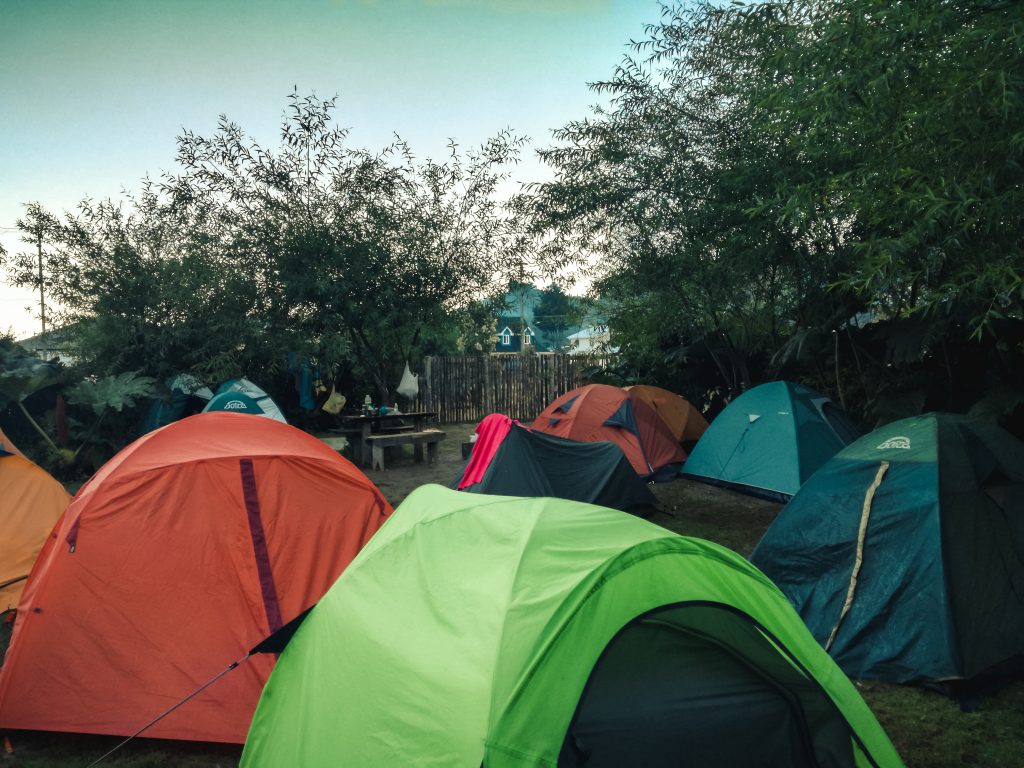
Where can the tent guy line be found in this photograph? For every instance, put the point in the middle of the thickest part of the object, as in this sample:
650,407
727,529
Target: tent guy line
168,711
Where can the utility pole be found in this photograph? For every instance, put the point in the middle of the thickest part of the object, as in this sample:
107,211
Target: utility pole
42,302
522,318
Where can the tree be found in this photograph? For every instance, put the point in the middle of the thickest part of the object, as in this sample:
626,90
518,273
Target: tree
376,246
246,253
909,114
37,226
555,310
765,173
658,191
141,289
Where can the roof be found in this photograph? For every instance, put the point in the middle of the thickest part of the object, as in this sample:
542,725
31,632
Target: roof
514,325
590,332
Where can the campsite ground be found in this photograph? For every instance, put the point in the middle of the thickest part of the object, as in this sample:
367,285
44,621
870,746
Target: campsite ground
929,730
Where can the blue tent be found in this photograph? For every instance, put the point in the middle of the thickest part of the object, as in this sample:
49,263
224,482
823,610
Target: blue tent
770,439
904,554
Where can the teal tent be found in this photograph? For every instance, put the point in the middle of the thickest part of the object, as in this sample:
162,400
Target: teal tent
770,439
499,631
234,402
264,403
904,554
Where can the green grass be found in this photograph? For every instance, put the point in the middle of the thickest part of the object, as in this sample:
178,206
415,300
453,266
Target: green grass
930,731
57,750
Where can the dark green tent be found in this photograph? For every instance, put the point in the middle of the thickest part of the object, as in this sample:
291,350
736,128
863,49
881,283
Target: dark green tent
904,554
504,632
770,439
530,463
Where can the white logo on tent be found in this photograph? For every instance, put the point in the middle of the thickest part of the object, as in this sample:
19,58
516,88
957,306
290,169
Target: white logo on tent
235,405
895,442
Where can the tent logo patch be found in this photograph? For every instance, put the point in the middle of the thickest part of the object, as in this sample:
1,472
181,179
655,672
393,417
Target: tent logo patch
234,405
895,442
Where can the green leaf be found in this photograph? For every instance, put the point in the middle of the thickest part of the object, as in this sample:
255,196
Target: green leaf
117,392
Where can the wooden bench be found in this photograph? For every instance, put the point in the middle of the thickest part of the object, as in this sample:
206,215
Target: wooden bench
429,437
396,428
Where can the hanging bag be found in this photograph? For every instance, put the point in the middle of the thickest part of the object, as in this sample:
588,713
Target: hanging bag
409,386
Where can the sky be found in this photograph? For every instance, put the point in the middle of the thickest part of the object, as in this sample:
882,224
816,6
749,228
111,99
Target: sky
94,92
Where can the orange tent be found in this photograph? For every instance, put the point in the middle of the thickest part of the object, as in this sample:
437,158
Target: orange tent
30,503
598,412
676,411
181,553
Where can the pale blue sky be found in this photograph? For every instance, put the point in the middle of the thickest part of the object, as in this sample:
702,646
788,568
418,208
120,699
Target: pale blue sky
95,91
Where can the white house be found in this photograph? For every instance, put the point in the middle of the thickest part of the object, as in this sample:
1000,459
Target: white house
589,340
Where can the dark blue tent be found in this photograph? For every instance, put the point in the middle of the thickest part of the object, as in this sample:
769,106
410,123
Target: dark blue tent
904,554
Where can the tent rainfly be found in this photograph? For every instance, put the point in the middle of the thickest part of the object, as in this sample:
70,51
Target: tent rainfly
511,460
181,553
904,554
678,413
498,631
601,413
31,501
769,440
265,404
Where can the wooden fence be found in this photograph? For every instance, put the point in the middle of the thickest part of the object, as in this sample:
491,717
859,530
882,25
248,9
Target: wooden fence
465,389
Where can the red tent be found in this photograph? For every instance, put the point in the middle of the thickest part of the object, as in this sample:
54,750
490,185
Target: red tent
599,412
180,554
685,421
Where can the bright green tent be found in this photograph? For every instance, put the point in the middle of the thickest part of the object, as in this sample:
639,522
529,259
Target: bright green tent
770,439
498,631
904,554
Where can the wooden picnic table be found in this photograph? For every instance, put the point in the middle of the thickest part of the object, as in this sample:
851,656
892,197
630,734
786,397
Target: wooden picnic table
368,424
